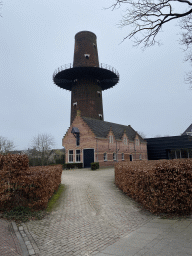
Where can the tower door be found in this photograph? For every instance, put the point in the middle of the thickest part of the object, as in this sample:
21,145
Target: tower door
88,157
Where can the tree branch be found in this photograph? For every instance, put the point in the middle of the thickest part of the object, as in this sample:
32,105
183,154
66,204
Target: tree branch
148,17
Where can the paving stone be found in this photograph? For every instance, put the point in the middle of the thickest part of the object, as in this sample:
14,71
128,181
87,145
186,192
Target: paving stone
31,252
94,218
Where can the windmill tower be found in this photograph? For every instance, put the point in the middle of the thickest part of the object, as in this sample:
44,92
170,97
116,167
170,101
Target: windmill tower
86,78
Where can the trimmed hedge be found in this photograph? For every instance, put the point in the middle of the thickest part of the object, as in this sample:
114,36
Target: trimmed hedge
21,185
163,186
94,165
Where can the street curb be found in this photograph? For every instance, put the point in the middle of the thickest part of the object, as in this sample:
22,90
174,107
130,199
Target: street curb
20,239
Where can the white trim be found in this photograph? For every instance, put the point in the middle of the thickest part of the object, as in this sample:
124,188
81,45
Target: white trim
87,56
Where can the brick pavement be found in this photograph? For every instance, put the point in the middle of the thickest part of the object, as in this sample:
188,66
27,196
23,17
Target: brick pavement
9,244
93,214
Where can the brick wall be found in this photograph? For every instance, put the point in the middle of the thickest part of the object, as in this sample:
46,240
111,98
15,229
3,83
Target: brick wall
85,43
102,145
85,97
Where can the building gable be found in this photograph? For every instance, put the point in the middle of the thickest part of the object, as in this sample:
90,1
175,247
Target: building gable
188,131
86,134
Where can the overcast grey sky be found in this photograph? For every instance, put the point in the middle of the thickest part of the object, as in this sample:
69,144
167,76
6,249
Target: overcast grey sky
38,36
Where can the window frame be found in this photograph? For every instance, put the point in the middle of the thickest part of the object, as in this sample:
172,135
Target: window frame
70,155
114,156
125,140
77,155
122,157
105,157
111,139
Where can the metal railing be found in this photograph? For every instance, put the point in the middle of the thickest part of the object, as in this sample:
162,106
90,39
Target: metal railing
70,65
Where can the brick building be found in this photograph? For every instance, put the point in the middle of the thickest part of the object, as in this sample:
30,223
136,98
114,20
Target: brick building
90,138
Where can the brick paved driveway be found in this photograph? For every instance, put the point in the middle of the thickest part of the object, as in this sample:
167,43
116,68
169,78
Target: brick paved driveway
92,215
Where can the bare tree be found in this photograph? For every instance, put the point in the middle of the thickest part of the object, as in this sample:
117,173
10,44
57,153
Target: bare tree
147,17
42,145
5,145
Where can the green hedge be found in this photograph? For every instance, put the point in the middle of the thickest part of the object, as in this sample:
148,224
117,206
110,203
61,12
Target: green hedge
94,165
73,166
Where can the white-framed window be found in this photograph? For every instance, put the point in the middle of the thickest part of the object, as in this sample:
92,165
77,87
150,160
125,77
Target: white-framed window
70,156
114,156
125,141
105,156
78,155
122,156
110,138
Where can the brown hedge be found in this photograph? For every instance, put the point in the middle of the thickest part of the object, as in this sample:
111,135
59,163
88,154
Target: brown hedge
21,185
163,186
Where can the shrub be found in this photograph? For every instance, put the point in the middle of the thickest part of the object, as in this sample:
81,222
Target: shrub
72,165
163,186
21,185
94,165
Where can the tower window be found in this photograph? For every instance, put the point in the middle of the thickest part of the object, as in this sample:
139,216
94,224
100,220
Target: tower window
87,56
100,116
99,93
94,45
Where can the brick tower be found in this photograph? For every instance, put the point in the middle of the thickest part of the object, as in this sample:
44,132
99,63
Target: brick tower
86,78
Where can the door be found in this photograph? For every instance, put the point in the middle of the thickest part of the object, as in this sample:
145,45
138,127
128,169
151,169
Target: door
88,157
